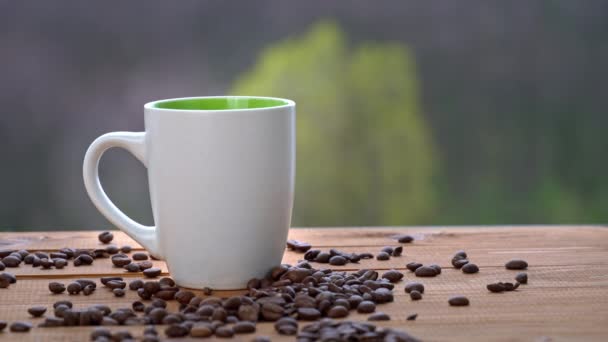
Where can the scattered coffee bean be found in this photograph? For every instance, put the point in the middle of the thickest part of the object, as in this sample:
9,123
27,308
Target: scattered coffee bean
116,284
74,288
60,263
152,272
323,257
138,306
140,256
405,238
522,278
495,287
366,255
120,260
37,311
387,249
426,271
62,302
436,267
286,326
470,268
415,295
119,292
105,237
3,325
56,287
201,330
4,282
112,249
11,261
379,316
298,246
136,284
308,314
337,260
516,264
459,263
414,286
413,266
20,327
2,266
11,277
383,256
397,251
83,259
412,317
88,290
392,275
132,267
144,265
510,286
99,332
176,330
337,311
458,301
224,331
244,327
105,280
126,249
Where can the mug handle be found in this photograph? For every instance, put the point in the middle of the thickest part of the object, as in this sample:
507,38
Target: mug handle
134,142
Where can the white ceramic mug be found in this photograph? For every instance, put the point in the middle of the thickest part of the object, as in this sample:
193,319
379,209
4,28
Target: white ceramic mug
221,177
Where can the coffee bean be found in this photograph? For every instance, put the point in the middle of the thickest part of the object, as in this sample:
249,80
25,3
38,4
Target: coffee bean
414,286
247,313
151,286
3,325
298,246
201,330
144,265
116,284
83,259
425,271
459,263
138,306
470,268
382,295
510,286
112,249
244,327
101,332
337,311
176,330
392,275
136,284
37,311
132,267
415,295
11,261
69,252
20,327
323,257
310,255
184,297
405,238
2,266
224,331
62,302
379,316
208,291
366,306
60,263
51,322
122,335
495,287
105,280
165,295
4,283
152,272
11,277
522,278
56,287
397,251
272,311
118,292
120,260
413,266
436,267
337,260
387,249
460,254
458,301
105,237
514,264
411,317
140,256
166,281
74,288
126,249
383,256
366,255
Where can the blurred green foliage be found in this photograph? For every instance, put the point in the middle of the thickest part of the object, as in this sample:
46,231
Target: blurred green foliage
365,155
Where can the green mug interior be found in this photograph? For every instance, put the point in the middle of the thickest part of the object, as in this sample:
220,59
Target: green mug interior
219,103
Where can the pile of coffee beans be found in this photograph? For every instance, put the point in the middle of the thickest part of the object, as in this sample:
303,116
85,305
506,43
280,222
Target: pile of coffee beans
335,257
330,330
298,246
87,287
460,261
388,251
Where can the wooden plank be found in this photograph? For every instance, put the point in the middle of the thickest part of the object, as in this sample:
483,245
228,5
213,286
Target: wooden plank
489,237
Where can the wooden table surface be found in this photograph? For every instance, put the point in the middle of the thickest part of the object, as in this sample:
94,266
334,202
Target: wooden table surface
566,297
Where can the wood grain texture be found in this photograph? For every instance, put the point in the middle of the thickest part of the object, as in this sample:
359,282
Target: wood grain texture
566,298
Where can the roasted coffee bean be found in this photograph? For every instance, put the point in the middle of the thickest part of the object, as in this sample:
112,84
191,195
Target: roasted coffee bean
120,260
177,330
308,314
415,295
382,295
436,267
62,302
470,268
298,246
101,332
151,286
11,277
60,309
414,286
387,249
207,291
202,329
310,255
495,287
132,267
165,295
112,249
460,254
323,257
56,287
118,292
459,263
393,276
20,326
272,311
6,252
337,260
337,311
405,238
105,280
51,322
83,259
116,284
69,252
366,255
184,297
413,266
224,331
383,256
88,290
219,314
46,264
126,249
411,317
144,265
37,311
515,264
510,286
138,306
122,335
244,327
245,313
522,278
101,253
86,282
379,316
458,301
136,284
60,263
74,288
366,306
2,266
105,237
11,261
166,281
397,251
140,256
425,271
4,283
152,272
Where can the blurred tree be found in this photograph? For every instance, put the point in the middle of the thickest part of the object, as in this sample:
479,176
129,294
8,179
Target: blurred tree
365,154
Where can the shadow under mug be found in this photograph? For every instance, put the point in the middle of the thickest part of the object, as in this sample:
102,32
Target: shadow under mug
221,179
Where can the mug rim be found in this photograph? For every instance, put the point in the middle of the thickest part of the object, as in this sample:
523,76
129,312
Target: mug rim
153,105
